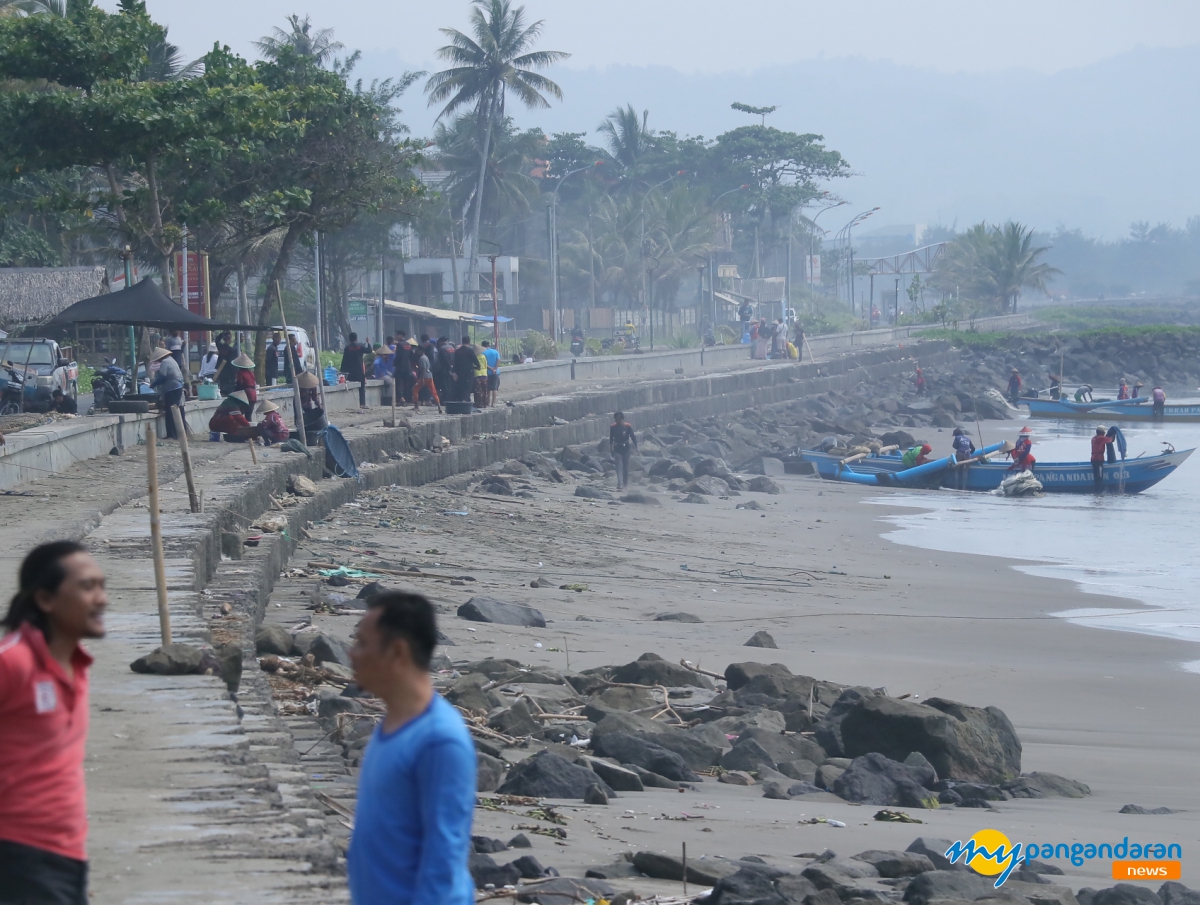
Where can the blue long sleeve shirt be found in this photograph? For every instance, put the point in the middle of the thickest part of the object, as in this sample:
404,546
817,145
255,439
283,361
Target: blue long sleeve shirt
412,825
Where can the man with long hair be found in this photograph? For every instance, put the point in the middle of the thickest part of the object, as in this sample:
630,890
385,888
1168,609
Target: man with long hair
60,601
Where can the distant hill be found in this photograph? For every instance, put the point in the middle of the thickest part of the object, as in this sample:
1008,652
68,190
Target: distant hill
1096,147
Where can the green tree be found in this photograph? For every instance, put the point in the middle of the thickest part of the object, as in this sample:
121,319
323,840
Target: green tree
485,68
317,46
628,137
991,265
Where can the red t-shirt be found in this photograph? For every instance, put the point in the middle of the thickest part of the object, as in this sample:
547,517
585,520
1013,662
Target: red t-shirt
1099,441
43,733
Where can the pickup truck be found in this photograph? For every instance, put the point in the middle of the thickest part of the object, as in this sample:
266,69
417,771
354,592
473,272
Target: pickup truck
46,366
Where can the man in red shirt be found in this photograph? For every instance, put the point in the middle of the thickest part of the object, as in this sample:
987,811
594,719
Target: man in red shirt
43,725
1099,442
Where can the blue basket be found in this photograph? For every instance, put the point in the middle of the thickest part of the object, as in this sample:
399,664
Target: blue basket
331,376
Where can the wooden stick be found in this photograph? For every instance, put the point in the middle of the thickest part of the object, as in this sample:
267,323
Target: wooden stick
253,454
685,868
156,546
181,433
287,362
704,672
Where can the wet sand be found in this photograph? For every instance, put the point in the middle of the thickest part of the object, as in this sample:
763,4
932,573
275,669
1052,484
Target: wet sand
1110,709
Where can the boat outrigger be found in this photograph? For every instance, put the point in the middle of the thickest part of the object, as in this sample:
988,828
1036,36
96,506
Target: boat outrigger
887,470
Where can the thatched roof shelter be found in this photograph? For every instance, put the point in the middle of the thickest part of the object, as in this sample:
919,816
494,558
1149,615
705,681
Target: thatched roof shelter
32,295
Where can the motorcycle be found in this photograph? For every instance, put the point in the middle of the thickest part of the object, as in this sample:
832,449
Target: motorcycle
577,345
109,385
12,394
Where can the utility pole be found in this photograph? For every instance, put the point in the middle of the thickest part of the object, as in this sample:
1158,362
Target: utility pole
320,327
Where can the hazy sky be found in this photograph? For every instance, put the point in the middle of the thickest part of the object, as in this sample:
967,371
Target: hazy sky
722,35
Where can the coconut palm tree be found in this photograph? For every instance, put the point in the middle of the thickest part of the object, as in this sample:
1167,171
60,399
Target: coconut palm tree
1016,262
627,137
485,67
318,46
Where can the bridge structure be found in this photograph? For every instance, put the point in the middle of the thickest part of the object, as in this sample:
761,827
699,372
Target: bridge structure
919,260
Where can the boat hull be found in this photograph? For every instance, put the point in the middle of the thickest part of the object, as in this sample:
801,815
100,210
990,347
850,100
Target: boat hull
1130,476
1125,410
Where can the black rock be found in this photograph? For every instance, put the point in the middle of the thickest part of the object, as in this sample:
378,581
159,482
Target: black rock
485,871
739,674
328,649
935,850
755,884
622,779
778,748
567,891
1138,809
762,639
273,639
630,749
499,612
483,845
592,493
530,867
678,617
520,841
1126,894
963,743
489,772
875,779
652,780
763,484
175,659
1045,785
651,669
923,768
828,731
1174,893
547,775
595,795
945,884
643,499
902,439
670,867
894,863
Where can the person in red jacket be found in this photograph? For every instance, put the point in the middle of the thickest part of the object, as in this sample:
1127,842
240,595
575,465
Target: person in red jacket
60,601
1022,453
1099,442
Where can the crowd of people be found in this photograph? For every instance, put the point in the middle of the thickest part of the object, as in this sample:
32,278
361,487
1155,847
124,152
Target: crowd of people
424,370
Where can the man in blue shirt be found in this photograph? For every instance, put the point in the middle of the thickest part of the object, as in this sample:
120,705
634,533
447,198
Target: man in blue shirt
416,791
493,370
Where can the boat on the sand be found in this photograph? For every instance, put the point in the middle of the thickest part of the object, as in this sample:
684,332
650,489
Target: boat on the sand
887,470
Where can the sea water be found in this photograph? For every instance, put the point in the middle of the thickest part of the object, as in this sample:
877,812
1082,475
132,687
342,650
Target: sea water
1141,546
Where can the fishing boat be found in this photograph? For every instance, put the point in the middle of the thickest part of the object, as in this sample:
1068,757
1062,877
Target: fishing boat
1112,409
1126,476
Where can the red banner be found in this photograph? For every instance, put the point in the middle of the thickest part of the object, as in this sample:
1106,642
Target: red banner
194,290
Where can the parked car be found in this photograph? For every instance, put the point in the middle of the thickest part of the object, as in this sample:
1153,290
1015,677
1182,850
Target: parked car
308,355
46,366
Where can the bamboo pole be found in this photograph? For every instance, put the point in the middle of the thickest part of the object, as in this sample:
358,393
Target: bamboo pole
181,433
288,363
156,546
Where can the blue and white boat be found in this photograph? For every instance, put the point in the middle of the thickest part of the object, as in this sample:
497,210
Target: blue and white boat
1127,476
1112,409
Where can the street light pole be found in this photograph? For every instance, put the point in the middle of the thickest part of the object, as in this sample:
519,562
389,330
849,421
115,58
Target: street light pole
712,272
850,245
554,316
812,239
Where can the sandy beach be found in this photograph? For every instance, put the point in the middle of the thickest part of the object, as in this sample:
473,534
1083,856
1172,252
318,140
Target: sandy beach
844,605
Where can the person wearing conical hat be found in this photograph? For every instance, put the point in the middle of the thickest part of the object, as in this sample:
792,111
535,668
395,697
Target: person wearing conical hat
1022,453
271,428
232,418
244,380
168,380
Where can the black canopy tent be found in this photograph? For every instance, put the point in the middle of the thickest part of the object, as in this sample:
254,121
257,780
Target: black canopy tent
141,305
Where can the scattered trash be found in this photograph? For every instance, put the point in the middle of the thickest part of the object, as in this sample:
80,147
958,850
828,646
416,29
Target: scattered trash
455,512
895,817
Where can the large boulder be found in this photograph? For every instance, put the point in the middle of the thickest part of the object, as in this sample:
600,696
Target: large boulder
708,486
739,674
273,639
328,649
486,872
567,891
935,885
176,659
499,612
935,850
828,731
762,639
1126,894
969,744
760,884
893,864
1174,893
548,775
651,669
620,778
630,749
875,779
778,749
489,772
670,867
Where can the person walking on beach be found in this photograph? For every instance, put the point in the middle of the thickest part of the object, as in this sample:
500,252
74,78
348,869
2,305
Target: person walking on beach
1014,387
492,360
466,361
168,380
416,791
623,442
1099,442
60,601
354,367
